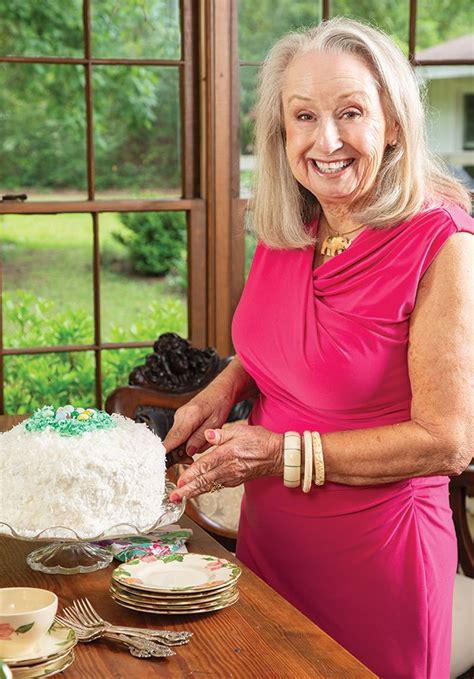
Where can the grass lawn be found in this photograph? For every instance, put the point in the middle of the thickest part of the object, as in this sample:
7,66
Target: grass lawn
48,299
51,256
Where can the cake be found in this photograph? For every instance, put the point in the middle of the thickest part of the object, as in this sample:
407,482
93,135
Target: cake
80,469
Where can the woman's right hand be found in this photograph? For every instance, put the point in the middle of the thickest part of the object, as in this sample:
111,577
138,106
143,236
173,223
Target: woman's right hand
207,410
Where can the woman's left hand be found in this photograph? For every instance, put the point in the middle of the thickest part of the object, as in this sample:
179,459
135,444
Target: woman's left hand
242,452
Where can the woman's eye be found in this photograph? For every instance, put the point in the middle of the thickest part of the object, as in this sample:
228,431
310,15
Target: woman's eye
350,115
304,116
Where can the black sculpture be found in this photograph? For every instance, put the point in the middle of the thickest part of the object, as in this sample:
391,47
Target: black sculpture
176,366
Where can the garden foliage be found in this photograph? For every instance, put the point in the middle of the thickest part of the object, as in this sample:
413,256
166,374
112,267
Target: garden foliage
32,381
154,240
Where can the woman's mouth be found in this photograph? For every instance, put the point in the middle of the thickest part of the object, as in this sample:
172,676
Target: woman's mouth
334,167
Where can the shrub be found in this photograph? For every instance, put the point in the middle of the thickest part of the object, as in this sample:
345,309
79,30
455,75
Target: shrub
32,381
155,240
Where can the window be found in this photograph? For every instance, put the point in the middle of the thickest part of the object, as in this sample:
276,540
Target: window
468,121
97,183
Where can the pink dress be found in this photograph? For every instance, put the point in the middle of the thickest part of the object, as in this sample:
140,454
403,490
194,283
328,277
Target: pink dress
373,566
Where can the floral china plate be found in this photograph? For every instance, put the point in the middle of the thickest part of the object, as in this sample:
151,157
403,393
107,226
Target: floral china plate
158,598
177,573
174,595
48,669
172,606
187,611
58,641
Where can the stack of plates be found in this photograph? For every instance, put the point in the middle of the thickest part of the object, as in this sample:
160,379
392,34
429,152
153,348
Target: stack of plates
181,583
50,655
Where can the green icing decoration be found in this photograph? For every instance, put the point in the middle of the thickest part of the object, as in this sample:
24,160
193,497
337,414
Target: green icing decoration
64,420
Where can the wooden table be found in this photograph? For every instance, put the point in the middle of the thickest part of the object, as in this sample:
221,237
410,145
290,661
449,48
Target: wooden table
262,635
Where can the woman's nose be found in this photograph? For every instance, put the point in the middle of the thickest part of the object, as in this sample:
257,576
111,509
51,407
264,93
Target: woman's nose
327,137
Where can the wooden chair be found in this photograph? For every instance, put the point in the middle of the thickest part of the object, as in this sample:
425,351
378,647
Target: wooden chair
170,377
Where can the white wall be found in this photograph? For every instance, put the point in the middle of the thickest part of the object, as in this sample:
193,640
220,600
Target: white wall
446,118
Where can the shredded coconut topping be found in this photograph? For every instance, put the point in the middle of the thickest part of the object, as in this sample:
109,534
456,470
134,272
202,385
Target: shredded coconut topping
88,482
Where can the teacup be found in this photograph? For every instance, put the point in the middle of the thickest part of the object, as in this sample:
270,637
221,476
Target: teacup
26,614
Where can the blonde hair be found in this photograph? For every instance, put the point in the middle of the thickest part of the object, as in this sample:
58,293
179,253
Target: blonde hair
409,178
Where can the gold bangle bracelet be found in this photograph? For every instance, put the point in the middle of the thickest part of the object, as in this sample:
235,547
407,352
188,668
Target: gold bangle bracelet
319,474
308,461
292,459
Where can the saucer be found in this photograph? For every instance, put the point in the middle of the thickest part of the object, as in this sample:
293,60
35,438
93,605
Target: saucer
186,573
46,669
58,641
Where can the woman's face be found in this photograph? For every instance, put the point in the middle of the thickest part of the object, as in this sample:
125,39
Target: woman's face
336,130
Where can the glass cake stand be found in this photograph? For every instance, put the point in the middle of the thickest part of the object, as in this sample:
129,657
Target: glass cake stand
69,553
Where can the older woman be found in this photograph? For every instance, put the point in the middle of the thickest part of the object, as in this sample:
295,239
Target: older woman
354,327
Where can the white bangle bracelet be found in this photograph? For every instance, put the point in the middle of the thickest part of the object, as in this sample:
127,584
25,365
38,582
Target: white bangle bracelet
292,459
308,461
319,473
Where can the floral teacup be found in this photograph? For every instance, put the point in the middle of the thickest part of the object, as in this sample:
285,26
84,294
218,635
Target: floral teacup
26,614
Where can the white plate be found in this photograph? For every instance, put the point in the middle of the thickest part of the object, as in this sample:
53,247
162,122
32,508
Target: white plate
178,573
163,597
173,606
194,610
44,670
55,643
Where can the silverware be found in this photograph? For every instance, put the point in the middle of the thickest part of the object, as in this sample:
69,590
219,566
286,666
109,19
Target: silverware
139,647
82,612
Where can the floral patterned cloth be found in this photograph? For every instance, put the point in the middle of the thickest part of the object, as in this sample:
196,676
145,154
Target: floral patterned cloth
169,540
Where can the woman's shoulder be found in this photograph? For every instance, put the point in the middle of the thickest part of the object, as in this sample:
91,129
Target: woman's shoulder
433,229
446,217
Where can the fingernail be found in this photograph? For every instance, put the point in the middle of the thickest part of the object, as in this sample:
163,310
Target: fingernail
211,434
192,450
181,483
174,497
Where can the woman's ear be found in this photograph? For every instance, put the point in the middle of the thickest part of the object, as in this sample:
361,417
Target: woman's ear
392,134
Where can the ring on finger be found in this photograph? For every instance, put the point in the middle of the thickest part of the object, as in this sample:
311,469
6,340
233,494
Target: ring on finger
216,487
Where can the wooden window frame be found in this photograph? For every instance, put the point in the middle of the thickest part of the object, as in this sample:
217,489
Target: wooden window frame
191,202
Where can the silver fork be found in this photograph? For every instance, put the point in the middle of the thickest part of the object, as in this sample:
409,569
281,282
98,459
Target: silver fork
85,614
139,647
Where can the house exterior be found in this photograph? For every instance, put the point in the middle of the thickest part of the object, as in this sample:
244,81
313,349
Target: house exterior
450,103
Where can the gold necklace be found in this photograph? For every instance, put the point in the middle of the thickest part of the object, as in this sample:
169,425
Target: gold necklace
336,242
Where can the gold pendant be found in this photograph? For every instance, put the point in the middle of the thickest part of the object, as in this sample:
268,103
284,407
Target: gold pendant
334,245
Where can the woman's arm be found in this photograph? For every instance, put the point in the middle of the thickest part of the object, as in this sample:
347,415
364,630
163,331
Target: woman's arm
439,437
241,385
209,408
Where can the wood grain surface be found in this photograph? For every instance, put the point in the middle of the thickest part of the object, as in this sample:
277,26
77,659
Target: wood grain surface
262,635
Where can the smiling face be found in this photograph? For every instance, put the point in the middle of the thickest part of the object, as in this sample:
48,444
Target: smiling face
336,130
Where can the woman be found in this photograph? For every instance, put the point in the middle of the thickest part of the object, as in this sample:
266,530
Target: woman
354,323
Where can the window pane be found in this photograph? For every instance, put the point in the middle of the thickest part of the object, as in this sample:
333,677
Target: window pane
392,17
248,92
42,144
437,22
148,29
468,114
43,379
137,131
47,279
117,364
144,275
262,23
47,28
448,91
